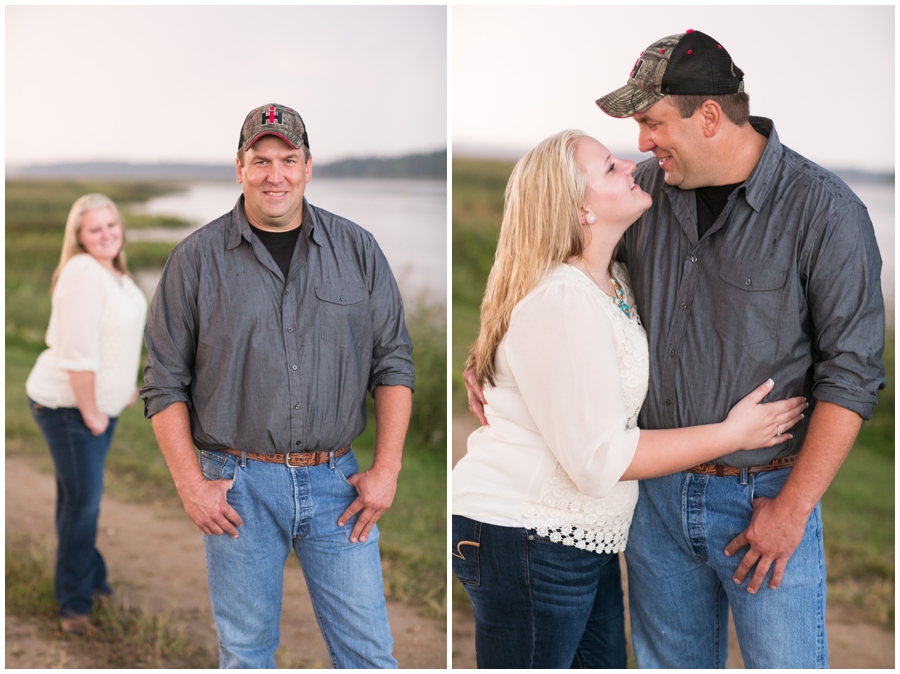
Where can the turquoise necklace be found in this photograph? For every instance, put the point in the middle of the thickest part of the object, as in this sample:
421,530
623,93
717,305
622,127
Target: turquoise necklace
619,298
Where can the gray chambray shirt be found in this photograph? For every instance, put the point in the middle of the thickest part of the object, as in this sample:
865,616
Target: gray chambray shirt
786,284
271,366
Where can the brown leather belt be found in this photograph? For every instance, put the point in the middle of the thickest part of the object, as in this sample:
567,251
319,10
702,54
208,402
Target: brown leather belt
291,459
722,471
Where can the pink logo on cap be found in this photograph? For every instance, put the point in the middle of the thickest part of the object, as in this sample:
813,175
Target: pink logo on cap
272,116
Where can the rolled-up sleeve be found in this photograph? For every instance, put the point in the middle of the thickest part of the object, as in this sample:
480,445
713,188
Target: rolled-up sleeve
843,272
392,363
562,353
171,334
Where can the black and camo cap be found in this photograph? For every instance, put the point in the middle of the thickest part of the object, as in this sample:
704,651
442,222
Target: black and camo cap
690,63
273,120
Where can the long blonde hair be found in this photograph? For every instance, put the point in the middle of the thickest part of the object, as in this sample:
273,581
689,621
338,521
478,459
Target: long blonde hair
540,229
72,246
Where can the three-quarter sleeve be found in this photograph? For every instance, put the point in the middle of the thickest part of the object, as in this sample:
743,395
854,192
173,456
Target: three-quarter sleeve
843,287
171,335
78,298
561,350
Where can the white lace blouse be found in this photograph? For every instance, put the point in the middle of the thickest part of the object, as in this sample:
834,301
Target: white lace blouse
571,376
96,325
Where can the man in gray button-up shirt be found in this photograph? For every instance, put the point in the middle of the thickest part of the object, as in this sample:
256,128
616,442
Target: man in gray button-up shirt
269,326
752,262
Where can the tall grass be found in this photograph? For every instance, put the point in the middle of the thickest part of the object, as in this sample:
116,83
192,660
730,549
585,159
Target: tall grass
478,188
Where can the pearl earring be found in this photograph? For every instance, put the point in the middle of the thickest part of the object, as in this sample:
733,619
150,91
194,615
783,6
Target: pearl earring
590,219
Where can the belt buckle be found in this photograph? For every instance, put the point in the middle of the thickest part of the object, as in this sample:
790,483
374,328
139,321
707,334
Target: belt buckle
287,461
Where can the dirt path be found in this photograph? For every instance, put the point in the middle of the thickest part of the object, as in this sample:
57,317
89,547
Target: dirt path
155,558
852,643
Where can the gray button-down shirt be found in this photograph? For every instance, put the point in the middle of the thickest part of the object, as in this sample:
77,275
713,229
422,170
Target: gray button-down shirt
785,284
271,366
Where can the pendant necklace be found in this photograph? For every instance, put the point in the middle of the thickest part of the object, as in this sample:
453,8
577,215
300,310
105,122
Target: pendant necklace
619,298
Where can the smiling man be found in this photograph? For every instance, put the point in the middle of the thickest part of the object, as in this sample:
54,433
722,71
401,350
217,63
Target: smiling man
752,262
269,326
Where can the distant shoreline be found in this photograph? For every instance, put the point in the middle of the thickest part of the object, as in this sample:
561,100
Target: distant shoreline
428,166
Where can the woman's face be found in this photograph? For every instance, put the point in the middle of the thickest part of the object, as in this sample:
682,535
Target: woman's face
101,235
611,194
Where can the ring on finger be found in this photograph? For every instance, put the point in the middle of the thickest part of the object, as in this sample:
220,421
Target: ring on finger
778,431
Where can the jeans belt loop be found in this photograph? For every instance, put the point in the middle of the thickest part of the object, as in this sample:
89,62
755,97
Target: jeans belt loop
744,476
331,460
243,458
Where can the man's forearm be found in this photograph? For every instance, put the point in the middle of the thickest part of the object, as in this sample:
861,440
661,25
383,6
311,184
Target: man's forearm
832,431
393,406
204,501
172,427
378,485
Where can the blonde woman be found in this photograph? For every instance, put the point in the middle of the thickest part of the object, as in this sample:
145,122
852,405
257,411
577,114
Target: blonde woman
543,500
80,384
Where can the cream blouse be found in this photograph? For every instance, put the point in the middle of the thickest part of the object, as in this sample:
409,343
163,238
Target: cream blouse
96,325
571,376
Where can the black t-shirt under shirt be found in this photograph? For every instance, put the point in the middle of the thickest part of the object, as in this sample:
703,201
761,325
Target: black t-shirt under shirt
280,246
710,204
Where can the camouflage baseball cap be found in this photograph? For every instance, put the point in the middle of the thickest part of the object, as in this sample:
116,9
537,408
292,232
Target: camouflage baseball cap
691,63
273,120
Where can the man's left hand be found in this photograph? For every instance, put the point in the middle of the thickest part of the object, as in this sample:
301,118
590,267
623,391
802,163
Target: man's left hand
773,534
376,494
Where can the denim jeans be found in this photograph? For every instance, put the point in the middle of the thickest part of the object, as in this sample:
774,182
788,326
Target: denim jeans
284,508
680,581
78,456
539,604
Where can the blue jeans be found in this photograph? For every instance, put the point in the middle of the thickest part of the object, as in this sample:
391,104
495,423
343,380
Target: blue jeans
78,457
680,581
539,604
284,508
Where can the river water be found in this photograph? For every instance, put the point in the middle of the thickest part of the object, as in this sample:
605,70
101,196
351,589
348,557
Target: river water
407,217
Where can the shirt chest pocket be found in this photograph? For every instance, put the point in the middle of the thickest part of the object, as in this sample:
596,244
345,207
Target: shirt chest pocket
749,302
343,313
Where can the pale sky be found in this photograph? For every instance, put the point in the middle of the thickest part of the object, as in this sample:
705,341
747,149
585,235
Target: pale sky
824,74
169,83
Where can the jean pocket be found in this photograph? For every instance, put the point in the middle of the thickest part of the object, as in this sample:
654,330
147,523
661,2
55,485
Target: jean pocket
767,484
466,547
36,408
346,466
217,466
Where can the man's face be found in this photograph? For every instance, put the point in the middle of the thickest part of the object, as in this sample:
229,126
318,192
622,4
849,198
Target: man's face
274,177
678,143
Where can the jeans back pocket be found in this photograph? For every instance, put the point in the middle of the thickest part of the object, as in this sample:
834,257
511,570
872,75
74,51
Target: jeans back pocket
466,541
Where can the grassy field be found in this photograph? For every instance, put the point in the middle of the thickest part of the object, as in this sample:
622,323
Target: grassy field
125,637
858,509
413,531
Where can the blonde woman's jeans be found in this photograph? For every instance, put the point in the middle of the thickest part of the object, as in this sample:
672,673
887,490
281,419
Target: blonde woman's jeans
78,457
